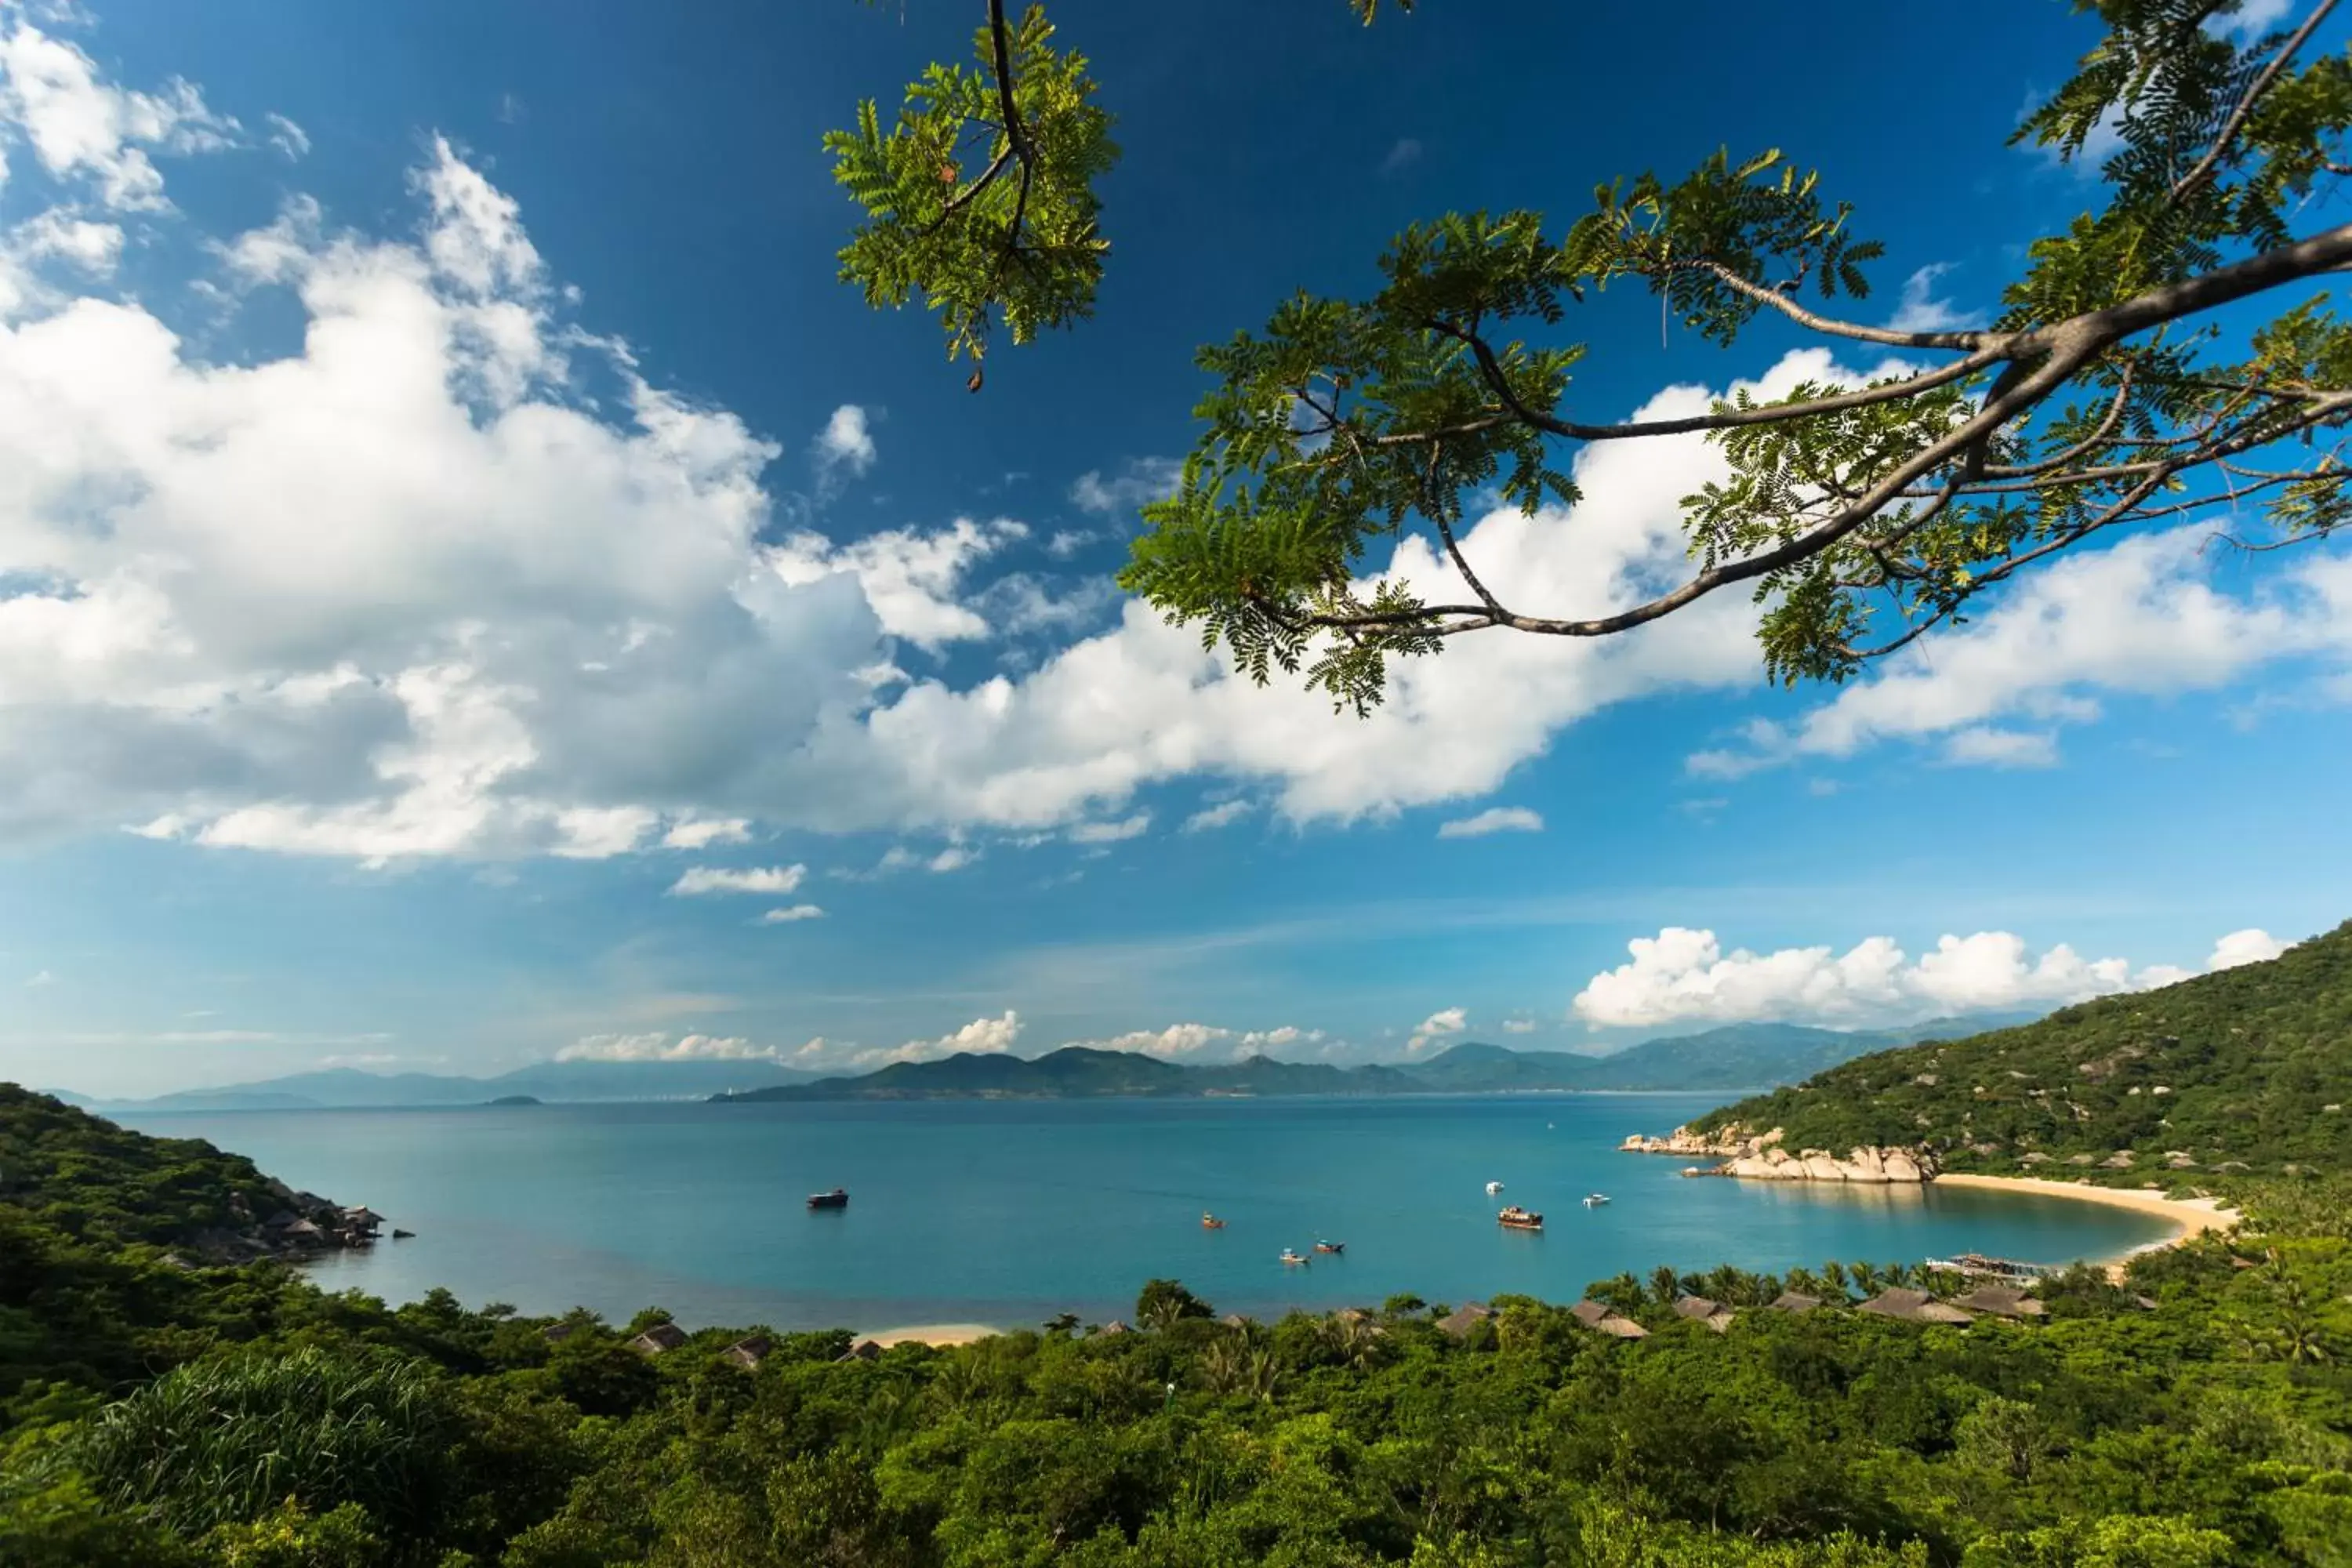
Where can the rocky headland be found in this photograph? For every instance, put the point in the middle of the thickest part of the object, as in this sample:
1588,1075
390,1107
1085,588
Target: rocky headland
1760,1157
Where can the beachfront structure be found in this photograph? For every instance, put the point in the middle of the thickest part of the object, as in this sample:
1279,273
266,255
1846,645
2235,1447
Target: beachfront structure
1699,1310
1607,1321
1912,1306
659,1338
863,1350
1113,1327
1794,1301
2002,1301
748,1354
1463,1318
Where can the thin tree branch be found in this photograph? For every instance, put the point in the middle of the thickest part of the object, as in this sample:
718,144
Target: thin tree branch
1833,327
1727,419
2090,443
2245,105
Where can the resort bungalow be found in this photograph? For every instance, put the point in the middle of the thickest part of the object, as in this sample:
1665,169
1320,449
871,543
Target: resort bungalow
1794,1301
558,1332
1607,1321
302,1233
1113,1327
1463,1318
659,1338
1235,1321
1912,1306
749,1353
2002,1301
1699,1310
363,1220
863,1350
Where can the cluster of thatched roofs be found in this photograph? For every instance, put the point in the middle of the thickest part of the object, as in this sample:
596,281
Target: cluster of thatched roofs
324,1226
1903,1305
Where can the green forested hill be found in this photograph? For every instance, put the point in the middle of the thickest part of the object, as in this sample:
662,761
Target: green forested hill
2247,1069
97,1182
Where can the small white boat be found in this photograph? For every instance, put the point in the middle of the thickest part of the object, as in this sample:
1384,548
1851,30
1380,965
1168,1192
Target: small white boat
1292,1254
1494,1187
1595,1200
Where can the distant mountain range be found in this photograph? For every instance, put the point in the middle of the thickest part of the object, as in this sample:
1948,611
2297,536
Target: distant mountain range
579,1081
1737,1057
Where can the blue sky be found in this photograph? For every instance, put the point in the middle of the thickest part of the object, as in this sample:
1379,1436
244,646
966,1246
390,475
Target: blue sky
473,586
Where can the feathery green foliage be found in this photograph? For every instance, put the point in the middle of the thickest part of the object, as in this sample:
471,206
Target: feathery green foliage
1860,514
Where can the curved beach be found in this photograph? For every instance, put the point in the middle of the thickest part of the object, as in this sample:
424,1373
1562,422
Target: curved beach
2190,1217
938,1335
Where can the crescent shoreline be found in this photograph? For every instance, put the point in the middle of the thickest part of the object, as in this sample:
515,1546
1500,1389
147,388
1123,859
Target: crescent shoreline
2187,1216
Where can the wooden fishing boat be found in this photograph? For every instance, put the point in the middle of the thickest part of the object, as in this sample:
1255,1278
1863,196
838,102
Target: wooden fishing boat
1211,1221
1334,1247
836,1199
1292,1254
1517,1218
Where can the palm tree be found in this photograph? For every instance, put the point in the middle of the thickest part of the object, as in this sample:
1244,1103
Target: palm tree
1865,1277
1805,1282
1664,1285
1897,1274
1834,1275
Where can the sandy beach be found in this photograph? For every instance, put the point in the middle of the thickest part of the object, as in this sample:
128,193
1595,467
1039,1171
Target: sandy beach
933,1334
2190,1217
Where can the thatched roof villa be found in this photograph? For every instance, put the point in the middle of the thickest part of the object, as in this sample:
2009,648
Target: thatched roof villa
1912,1306
1464,1318
2002,1301
1699,1310
1607,1321
748,1354
659,1338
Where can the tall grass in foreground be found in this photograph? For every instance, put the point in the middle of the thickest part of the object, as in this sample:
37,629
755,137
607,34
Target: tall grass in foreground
234,1438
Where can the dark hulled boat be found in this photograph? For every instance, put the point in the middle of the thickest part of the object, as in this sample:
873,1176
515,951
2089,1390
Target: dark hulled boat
836,1199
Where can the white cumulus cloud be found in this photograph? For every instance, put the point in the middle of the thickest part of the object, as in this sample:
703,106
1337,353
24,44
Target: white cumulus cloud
664,1047
1683,975
792,914
1180,1042
846,442
2251,945
1496,819
1438,1025
772,879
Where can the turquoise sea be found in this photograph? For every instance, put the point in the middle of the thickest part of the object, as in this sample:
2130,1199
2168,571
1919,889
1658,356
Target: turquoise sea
1008,1213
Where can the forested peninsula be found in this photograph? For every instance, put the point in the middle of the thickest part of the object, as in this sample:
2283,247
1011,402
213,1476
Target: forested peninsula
170,1395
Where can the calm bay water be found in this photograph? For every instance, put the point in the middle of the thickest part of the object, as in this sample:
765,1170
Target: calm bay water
1007,1212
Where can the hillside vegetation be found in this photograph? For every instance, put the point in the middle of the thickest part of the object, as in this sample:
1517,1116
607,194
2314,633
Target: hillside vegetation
157,1412
2249,1069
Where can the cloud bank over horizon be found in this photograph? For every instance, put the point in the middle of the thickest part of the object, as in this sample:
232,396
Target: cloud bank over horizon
1683,975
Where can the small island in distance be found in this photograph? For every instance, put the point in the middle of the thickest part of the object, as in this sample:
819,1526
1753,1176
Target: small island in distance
506,1099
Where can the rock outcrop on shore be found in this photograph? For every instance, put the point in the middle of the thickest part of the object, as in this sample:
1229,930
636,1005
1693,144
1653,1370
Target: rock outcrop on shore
1760,1157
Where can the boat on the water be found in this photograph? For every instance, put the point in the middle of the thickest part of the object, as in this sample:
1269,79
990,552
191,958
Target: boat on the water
836,1199
1517,1218
1292,1254
1334,1247
1494,1187
1211,1221
1595,1200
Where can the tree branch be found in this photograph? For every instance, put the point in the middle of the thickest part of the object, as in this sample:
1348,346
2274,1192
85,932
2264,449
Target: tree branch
2245,106
1833,327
